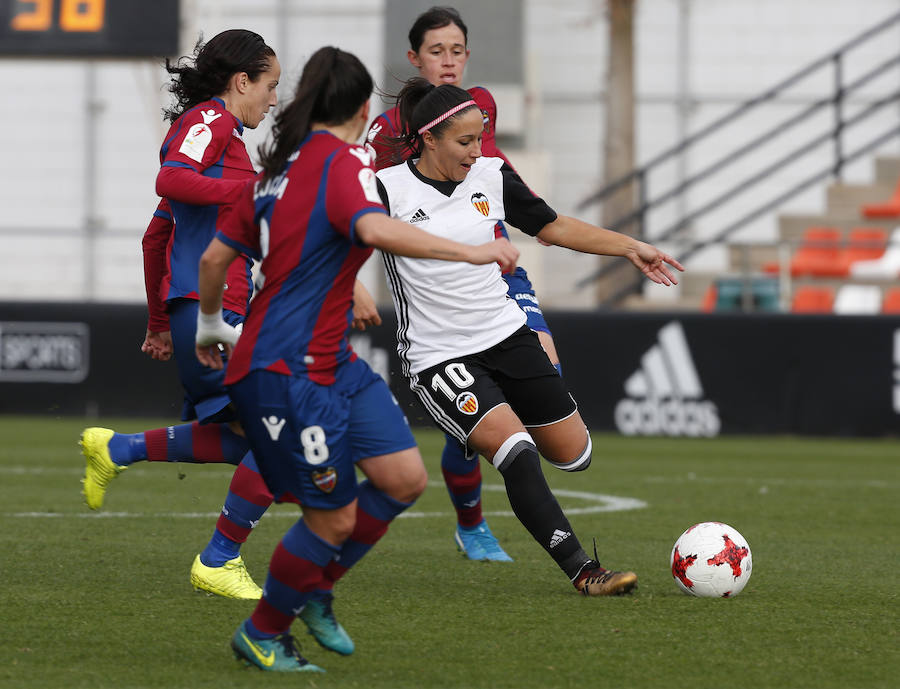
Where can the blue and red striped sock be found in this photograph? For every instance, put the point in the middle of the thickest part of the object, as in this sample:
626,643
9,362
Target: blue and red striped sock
247,500
374,513
463,479
190,442
295,571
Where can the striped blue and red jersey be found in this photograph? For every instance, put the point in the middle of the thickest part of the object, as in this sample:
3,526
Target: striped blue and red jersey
301,224
204,166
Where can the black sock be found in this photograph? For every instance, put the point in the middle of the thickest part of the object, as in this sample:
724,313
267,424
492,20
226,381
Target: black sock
538,510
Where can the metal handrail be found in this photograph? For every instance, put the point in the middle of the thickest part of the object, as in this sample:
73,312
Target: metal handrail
646,202
691,250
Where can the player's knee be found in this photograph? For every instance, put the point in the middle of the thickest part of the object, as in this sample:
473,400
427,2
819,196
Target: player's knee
513,447
578,463
408,478
343,523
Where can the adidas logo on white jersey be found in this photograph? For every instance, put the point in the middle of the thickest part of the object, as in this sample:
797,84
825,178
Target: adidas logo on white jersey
419,216
664,395
558,537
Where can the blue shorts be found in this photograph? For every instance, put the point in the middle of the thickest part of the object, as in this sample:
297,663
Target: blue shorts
307,437
205,397
521,290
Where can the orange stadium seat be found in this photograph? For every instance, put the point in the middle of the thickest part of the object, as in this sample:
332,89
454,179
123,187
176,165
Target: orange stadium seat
810,299
888,209
709,299
891,303
863,244
820,254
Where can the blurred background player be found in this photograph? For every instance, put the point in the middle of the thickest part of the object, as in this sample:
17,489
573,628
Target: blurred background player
310,407
438,48
227,85
465,348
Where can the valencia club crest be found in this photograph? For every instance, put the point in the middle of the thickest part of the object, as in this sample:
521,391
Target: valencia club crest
481,203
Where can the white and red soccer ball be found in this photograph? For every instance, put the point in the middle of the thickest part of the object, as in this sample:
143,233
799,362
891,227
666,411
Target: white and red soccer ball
711,560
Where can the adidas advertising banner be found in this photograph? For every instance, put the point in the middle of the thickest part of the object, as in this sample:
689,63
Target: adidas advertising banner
702,375
696,375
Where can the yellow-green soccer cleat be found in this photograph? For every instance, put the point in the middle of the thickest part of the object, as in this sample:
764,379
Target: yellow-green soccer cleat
100,469
231,580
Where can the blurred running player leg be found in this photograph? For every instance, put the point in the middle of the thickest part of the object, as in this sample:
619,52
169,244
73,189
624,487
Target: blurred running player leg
462,477
220,569
395,478
107,453
294,571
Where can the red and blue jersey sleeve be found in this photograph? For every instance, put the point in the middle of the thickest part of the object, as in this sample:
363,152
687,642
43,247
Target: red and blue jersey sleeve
198,138
237,227
155,245
351,191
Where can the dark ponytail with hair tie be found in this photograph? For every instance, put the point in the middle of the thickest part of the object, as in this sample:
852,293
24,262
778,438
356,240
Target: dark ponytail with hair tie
332,88
420,102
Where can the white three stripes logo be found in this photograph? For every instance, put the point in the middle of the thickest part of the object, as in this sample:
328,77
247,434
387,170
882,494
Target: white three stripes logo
665,394
667,369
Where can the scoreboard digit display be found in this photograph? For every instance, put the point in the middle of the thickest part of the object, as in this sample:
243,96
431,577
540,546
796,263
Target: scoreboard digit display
89,28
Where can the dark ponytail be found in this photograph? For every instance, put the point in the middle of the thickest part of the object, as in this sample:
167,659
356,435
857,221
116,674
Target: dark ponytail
420,102
332,88
206,74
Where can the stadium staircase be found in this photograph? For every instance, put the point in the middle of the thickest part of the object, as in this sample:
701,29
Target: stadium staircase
844,260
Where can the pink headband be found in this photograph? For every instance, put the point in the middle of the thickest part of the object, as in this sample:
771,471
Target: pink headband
452,111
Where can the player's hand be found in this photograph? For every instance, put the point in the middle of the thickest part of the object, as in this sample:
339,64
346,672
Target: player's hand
214,337
500,251
365,312
158,345
652,263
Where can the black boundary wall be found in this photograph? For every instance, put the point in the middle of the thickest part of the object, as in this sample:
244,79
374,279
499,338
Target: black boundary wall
643,374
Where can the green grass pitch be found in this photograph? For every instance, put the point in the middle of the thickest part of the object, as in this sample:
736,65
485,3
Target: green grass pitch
103,600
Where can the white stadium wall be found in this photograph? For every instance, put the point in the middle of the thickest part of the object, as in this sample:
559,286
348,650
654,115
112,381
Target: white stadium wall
81,137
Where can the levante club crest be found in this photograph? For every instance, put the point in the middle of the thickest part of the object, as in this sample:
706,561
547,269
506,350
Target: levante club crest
325,480
481,203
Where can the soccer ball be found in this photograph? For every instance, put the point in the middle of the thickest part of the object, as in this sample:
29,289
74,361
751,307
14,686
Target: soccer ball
711,560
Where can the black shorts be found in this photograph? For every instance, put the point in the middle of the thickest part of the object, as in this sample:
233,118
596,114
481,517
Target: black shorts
459,392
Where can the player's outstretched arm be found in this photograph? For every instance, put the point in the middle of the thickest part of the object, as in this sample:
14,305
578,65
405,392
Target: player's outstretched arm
578,235
397,237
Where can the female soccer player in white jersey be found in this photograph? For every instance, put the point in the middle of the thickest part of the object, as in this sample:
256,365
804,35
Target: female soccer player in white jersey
310,407
465,347
438,48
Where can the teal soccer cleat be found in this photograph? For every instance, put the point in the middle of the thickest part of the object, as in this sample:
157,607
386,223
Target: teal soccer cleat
478,543
280,654
319,617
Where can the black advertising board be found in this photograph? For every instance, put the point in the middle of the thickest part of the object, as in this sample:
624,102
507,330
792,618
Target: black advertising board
696,375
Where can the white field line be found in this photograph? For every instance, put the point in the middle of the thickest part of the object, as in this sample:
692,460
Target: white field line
597,502
147,470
